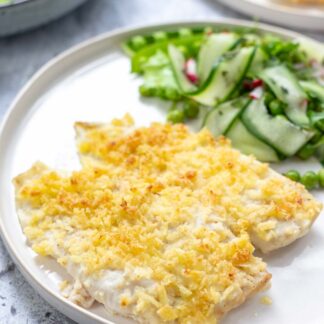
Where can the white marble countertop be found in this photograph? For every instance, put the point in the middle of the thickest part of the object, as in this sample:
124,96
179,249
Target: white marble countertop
22,55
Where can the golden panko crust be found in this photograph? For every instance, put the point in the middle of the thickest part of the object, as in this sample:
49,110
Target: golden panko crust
248,194
171,211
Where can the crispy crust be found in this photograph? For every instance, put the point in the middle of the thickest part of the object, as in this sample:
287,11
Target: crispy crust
285,231
34,172
250,284
255,284
281,238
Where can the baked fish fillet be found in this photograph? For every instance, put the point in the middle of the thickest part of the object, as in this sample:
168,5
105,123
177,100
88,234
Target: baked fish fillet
147,242
246,193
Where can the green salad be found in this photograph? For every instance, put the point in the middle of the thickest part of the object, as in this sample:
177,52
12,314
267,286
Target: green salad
263,92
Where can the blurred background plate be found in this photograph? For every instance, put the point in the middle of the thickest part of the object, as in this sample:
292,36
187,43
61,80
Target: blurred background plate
306,17
20,15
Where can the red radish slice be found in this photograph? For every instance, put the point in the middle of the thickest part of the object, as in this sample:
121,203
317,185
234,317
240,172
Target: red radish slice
299,66
304,104
250,85
256,93
257,83
190,70
314,63
319,75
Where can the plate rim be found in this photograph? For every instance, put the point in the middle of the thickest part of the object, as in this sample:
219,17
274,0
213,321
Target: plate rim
276,12
68,308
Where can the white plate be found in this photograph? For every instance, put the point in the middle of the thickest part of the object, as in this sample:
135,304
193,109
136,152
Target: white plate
92,82
281,12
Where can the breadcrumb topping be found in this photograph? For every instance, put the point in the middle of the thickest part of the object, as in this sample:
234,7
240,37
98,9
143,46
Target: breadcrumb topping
158,201
266,300
124,223
238,187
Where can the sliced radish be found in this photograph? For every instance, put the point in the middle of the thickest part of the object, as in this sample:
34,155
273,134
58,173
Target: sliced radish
256,93
190,70
257,83
314,63
250,85
299,66
319,74
304,104
318,70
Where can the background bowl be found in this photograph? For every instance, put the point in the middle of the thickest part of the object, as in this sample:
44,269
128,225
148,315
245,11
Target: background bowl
18,16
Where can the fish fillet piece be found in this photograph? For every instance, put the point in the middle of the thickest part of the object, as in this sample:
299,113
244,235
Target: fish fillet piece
247,193
150,250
